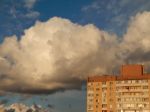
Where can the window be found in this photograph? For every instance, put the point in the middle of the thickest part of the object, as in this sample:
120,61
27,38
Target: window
104,110
103,94
104,89
118,82
144,81
103,100
130,81
90,100
145,87
127,87
119,105
140,105
111,100
97,94
111,83
110,106
89,84
97,100
96,106
119,99
104,105
97,89
133,81
90,94
137,81
97,84
103,83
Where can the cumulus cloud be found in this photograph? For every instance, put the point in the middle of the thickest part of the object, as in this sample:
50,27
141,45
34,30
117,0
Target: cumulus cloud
53,55
58,54
136,42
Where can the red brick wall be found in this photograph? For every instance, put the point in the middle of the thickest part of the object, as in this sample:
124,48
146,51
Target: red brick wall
132,70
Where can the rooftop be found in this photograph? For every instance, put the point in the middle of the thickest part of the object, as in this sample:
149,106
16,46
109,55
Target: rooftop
128,72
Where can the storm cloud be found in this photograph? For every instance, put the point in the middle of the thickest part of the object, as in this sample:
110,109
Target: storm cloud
58,55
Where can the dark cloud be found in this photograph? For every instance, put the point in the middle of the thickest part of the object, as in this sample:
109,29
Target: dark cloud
138,55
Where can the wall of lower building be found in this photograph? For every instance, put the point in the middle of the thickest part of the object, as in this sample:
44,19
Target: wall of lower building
118,96
129,92
132,95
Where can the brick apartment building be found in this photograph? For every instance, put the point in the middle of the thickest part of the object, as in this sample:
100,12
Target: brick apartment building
127,92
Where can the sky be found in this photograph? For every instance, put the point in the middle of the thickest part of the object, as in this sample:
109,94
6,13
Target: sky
49,47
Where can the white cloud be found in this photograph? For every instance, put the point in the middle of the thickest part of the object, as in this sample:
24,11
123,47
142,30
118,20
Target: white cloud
58,54
136,41
53,55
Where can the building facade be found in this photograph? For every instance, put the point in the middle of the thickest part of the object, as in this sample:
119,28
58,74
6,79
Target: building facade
127,92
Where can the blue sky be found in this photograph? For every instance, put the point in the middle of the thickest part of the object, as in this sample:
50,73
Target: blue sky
110,15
